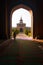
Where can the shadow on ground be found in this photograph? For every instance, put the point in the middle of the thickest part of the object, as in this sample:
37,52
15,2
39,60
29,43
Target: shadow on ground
20,52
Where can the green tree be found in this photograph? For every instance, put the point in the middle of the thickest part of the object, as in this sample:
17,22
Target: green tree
15,33
26,31
13,29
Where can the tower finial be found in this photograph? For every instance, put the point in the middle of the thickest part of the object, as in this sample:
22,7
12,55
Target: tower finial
21,21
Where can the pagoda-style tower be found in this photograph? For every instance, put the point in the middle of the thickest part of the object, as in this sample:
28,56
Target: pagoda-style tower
21,26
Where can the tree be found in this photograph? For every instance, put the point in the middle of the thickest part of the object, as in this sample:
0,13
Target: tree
15,33
26,31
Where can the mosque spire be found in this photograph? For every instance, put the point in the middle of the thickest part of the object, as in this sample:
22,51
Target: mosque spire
21,21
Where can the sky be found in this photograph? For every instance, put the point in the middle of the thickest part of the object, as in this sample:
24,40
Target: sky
17,14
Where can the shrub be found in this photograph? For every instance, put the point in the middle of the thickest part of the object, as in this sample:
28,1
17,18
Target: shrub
29,34
26,31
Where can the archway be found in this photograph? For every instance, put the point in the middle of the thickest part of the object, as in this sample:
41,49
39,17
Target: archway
21,30
27,8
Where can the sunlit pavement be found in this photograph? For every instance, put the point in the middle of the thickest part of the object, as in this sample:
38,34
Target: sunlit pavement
23,36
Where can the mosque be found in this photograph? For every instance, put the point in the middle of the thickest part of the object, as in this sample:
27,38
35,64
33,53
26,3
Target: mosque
22,26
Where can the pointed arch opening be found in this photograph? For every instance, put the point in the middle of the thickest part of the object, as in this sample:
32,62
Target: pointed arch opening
25,8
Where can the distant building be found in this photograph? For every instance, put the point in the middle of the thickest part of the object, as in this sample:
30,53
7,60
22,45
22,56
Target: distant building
21,26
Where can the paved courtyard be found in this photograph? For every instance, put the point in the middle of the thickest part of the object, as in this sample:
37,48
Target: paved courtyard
23,37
